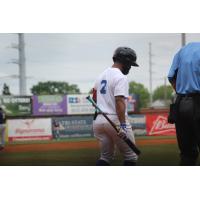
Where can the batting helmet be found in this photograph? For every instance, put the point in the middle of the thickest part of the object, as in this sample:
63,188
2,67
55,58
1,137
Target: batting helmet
126,56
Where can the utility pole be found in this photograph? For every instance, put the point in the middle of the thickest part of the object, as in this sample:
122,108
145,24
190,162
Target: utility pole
22,66
150,75
21,62
183,39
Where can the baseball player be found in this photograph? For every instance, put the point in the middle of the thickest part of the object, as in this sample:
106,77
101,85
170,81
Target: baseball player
110,93
57,127
2,129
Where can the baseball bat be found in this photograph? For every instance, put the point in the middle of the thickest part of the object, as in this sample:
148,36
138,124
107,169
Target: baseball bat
126,139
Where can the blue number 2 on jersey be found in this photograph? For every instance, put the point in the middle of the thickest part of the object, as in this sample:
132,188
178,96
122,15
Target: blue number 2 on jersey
103,86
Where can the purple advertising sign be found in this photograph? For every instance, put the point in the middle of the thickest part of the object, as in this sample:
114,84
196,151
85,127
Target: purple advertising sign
49,105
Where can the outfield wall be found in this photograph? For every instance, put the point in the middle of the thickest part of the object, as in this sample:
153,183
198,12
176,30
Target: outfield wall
34,117
51,105
74,126
80,126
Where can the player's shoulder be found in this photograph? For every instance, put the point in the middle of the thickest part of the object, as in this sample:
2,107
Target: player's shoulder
117,76
116,73
111,74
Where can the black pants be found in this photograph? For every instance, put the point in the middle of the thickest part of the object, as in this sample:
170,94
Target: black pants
188,129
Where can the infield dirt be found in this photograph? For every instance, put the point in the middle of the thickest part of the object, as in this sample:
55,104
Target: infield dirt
71,145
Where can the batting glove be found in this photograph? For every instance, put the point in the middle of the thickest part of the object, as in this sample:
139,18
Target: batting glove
123,131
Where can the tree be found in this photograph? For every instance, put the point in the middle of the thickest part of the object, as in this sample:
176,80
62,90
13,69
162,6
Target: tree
54,87
6,89
139,89
163,93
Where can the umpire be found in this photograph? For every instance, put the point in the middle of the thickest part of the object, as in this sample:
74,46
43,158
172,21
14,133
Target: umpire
184,76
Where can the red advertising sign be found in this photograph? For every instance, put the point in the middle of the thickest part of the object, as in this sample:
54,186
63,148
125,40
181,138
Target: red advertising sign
157,124
29,129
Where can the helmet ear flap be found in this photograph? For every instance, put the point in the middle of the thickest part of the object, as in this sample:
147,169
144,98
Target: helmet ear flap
114,59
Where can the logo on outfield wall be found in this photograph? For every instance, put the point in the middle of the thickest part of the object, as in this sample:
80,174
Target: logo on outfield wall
78,104
160,126
29,129
28,123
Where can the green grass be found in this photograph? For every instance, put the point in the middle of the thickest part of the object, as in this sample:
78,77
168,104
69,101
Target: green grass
50,158
152,155
159,155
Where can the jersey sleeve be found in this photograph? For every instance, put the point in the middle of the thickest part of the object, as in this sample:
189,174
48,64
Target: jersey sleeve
174,67
121,87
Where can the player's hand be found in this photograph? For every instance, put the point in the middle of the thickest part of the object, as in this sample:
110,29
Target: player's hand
123,131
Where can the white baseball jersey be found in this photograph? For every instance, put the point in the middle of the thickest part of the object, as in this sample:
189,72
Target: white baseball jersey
111,83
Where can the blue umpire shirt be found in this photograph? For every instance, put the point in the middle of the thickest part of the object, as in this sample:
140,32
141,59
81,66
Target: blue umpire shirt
186,69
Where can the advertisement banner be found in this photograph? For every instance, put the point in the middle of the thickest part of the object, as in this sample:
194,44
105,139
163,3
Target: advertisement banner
72,127
138,123
78,104
16,105
29,129
132,104
157,124
49,105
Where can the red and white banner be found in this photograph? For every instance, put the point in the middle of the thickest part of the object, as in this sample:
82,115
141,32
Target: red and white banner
157,124
29,129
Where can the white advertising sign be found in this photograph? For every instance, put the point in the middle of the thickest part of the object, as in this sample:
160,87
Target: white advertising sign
29,129
78,104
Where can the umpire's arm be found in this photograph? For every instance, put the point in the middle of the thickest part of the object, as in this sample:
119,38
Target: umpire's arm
172,75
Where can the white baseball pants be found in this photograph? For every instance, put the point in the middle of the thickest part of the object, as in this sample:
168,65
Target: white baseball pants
108,139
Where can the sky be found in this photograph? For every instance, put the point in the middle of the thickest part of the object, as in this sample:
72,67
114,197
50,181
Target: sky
78,58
